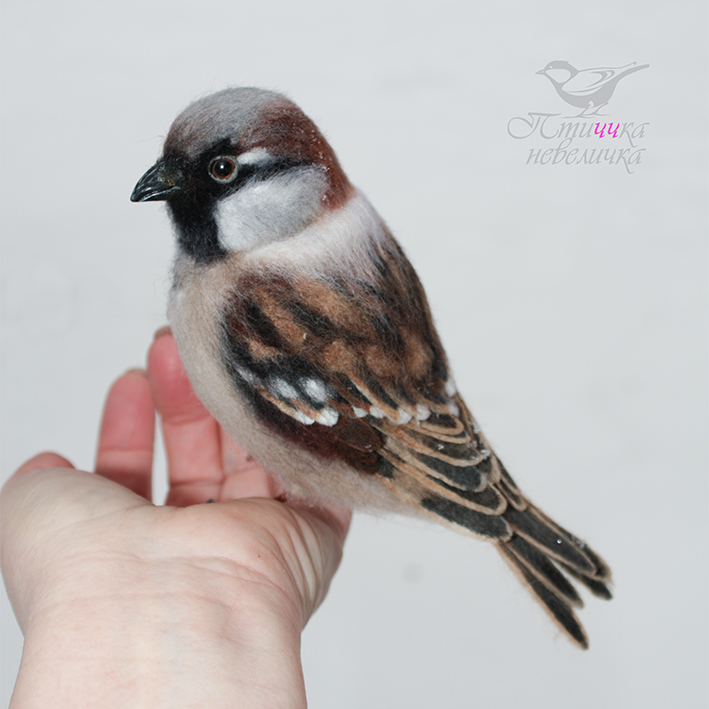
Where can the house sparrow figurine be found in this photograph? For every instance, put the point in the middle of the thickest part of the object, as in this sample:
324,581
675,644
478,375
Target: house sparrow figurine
305,331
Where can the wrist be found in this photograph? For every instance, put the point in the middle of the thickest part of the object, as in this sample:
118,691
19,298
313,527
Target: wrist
161,637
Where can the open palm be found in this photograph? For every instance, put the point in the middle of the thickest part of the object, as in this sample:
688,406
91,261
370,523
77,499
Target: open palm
76,541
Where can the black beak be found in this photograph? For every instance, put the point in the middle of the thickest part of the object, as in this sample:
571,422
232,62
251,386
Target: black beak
160,182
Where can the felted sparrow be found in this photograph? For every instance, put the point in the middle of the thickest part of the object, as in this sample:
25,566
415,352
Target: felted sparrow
306,332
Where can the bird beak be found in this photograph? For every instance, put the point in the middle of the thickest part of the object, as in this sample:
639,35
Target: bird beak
541,71
160,182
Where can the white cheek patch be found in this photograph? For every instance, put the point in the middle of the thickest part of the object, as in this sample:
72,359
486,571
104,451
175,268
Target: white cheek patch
340,239
265,211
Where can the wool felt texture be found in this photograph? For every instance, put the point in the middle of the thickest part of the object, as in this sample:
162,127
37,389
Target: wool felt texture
306,332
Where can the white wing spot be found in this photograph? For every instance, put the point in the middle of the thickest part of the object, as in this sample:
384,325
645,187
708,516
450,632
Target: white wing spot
246,375
359,413
422,412
377,413
300,416
316,390
451,389
281,388
328,416
404,417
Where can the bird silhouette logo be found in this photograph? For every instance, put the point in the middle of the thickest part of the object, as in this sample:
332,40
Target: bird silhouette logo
588,89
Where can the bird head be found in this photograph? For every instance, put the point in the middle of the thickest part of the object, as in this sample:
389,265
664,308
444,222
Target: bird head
242,168
558,72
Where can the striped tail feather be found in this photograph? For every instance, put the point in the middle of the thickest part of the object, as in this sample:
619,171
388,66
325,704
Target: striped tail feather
554,602
446,467
543,555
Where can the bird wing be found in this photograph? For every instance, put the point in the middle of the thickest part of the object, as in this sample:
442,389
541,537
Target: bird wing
588,81
357,362
352,369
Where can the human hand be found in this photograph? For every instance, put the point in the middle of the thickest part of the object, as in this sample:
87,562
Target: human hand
124,603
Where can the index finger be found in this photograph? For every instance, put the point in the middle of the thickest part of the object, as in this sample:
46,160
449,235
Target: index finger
191,435
126,440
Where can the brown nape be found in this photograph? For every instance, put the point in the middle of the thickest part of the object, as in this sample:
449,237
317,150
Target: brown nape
284,130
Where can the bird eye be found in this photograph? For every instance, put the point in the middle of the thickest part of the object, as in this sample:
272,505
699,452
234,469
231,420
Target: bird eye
223,169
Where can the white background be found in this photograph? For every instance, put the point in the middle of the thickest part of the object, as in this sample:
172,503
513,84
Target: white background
571,299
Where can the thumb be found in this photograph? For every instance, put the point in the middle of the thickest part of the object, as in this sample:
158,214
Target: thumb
43,461
43,512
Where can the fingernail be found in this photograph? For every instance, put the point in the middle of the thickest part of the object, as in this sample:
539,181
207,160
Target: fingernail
164,330
136,370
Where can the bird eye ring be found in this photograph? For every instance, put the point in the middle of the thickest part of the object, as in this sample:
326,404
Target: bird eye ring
223,169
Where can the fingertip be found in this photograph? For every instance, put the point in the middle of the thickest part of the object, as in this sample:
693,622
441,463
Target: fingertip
163,357
163,351
43,461
131,389
127,435
172,391
161,331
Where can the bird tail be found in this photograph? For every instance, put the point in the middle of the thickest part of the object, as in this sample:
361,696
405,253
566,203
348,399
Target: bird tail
543,555
480,498
630,70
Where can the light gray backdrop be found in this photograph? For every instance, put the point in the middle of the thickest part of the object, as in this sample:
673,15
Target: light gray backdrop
571,299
